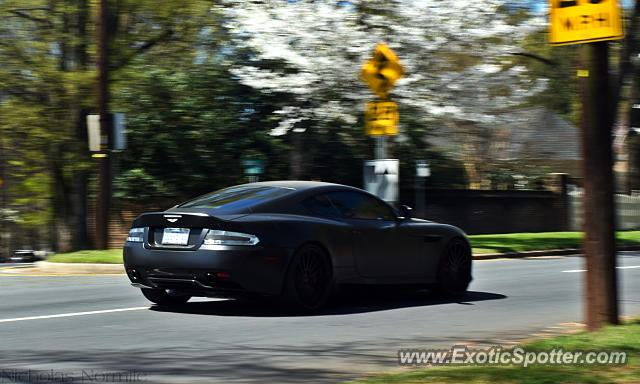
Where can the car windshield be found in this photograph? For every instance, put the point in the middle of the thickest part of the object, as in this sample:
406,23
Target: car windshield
236,198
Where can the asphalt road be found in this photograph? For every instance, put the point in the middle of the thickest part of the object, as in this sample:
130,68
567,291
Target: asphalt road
65,329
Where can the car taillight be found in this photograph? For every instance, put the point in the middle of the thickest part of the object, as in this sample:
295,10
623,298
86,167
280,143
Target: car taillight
136,235
217,237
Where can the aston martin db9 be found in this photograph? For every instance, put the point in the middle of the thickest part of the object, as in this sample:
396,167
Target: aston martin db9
293,239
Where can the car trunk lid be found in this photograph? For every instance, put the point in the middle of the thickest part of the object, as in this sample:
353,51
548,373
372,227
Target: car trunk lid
179,230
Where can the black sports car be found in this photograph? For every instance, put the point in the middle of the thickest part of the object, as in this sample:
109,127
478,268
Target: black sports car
294,239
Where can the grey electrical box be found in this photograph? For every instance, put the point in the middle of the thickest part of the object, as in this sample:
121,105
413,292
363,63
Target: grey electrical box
119,133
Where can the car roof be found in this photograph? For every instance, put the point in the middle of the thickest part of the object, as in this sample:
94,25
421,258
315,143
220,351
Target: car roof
299,189
297,185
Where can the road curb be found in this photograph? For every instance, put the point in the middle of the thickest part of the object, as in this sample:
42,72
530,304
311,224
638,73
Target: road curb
548,252
76,268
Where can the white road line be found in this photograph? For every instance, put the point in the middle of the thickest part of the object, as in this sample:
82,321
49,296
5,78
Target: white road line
72,314
584,270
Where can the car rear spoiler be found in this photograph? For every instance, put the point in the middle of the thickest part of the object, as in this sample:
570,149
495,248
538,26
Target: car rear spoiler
178,219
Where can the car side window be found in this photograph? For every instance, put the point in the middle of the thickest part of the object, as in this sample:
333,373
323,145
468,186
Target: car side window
320,205
355,205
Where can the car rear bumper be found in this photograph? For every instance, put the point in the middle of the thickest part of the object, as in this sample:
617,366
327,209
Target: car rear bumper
223,271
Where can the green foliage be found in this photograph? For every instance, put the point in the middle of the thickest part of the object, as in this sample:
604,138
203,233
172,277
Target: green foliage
189,128
135,184
559,66
47,84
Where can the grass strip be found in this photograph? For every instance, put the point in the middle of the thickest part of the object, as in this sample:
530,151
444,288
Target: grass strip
611,338
519,242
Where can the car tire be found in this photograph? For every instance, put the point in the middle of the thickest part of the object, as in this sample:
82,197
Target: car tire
161,297
454,269
309,280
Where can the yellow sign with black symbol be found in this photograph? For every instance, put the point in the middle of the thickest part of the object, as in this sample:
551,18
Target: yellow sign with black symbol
584,21
381,118
382,71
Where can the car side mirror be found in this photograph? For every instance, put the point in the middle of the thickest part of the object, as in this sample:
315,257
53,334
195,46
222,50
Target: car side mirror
404,212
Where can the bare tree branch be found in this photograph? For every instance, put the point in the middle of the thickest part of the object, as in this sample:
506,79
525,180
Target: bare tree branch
535,57
144,47
22,14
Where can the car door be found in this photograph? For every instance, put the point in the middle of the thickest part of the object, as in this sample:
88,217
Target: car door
377,251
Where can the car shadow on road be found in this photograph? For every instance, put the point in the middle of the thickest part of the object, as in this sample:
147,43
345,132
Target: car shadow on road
351,302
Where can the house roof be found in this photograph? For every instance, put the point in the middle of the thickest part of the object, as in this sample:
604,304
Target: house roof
538,133
532,134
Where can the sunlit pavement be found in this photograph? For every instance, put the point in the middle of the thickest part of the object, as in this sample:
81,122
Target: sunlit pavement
100,324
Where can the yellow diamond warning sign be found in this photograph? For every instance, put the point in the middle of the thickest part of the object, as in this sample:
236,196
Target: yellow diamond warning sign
382,70
381,118
584,21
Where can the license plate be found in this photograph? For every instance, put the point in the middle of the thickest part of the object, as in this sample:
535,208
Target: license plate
175,236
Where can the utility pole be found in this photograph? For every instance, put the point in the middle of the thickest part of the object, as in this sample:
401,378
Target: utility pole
3,205
601,305
600,21
633,139
103,157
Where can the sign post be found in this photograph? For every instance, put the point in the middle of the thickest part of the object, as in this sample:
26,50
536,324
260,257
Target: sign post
422,172
381,120
593,22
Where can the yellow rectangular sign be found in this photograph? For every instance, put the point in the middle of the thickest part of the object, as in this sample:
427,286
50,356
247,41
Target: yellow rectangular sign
381,118
584,21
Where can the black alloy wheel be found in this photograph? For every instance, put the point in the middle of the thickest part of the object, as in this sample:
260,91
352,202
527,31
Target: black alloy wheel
454,269
309,279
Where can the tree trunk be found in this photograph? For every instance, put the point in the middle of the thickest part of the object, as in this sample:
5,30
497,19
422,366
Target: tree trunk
60,201
295,166
80,178
80,235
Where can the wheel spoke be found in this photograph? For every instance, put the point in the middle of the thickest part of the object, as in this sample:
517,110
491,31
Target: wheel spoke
310,278
455,267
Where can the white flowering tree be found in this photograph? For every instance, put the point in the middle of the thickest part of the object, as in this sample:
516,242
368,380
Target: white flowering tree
458,58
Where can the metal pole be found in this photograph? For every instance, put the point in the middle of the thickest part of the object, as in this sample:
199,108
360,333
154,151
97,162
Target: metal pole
381,147
599,244
104,161
420,197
